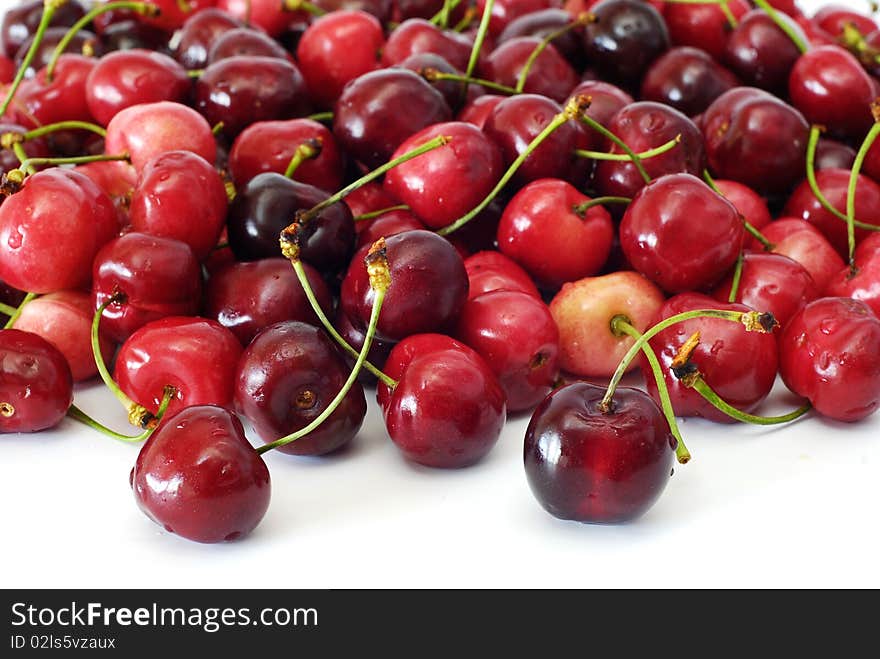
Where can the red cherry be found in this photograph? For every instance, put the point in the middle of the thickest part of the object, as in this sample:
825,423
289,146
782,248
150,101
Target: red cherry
506,11
198,34
20,21
802,242
544,22
760,53
246,41
834,18
198,477
748,202
416,35
606,100
268,15
387,224
36,388
830,354
703,26
477,111
864,283
40,101
493,271
550,74
173,14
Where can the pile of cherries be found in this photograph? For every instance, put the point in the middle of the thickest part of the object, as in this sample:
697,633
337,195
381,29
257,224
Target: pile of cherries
256,209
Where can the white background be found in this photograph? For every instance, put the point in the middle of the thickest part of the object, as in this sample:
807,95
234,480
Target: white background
785,507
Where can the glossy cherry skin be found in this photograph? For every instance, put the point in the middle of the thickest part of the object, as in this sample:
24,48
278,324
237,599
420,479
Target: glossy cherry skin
36,387
771,282
517,120
756,139
54,203
864,283
541,24
802,242
749,203
199,33
386,225
287,377
368,120
830,354
550,74
243,89
266,205
126,78
834,17
832,89
542,230
702,26
428,288
606,99
478,109
268,146
687,79
245,41
246,297
336,48
447,410
417,35
179,195
20,22
680,234
198,477
647,125
740,366
447,182
197,356
493,271
587,465
40,101
267,15
834,184
159,277
760,53
145,131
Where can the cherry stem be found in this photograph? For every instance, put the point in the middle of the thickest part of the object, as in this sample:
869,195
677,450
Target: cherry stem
304,5
321,116
572,109
466,20
17,311
607,134
380,278
328,326
749,227
374,214
868,142
699,385
142,8
61,125
308,150
783,25
76,413
813,142
681,451
7,310
622,157
480,37
30,163
441,18
581,209
49,9
754,321
433,75
430,145
737,276
580,21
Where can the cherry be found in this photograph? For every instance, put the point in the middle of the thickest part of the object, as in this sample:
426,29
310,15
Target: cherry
493,271
7,70
196,356
40,101
756,139
286,378
626,37
159,277
132,33
240,90
550,74
681,234
246,297
772,283
544,231
687,79
861,283
126,78
739,366
20,22
506,11
830,354
173,13
606,100
801,241
147,130
749,203
589,465
245,41
198,34
760,53
268,146
81,43
387,224
702,26
831,154
36,387
544,22
416,35
367,118
834,18
583,311
444,184
336,48
428,288
643,126
55,202
268,15
117,179
180,195
198,477
432,67
477,110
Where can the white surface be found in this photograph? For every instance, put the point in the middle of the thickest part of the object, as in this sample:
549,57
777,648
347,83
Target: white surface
786,507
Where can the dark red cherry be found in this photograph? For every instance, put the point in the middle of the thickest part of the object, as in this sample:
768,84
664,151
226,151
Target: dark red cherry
687,79
493,271
20,22
606,100
198,477
198,34
246,297
248,42
740,366
128,34
478,109
429,286
82,42
703,26
541,24
287,377
158,276
587,465
36,387
831,154
680,234
830,354
197,356
550,74
369,120
428,65
417,35
760,53
754,138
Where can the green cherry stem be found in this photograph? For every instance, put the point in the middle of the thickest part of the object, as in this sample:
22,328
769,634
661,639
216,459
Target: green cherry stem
441,18
868,142
622,157
7,310
321,116
17,312
623,146
466,20
572,110
61,125
142,8
76,413
304,5
433,75
582,20
380,278
374,214
749,227
790,32
308,150
480,37
624,327
28,164
581,209
737,277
